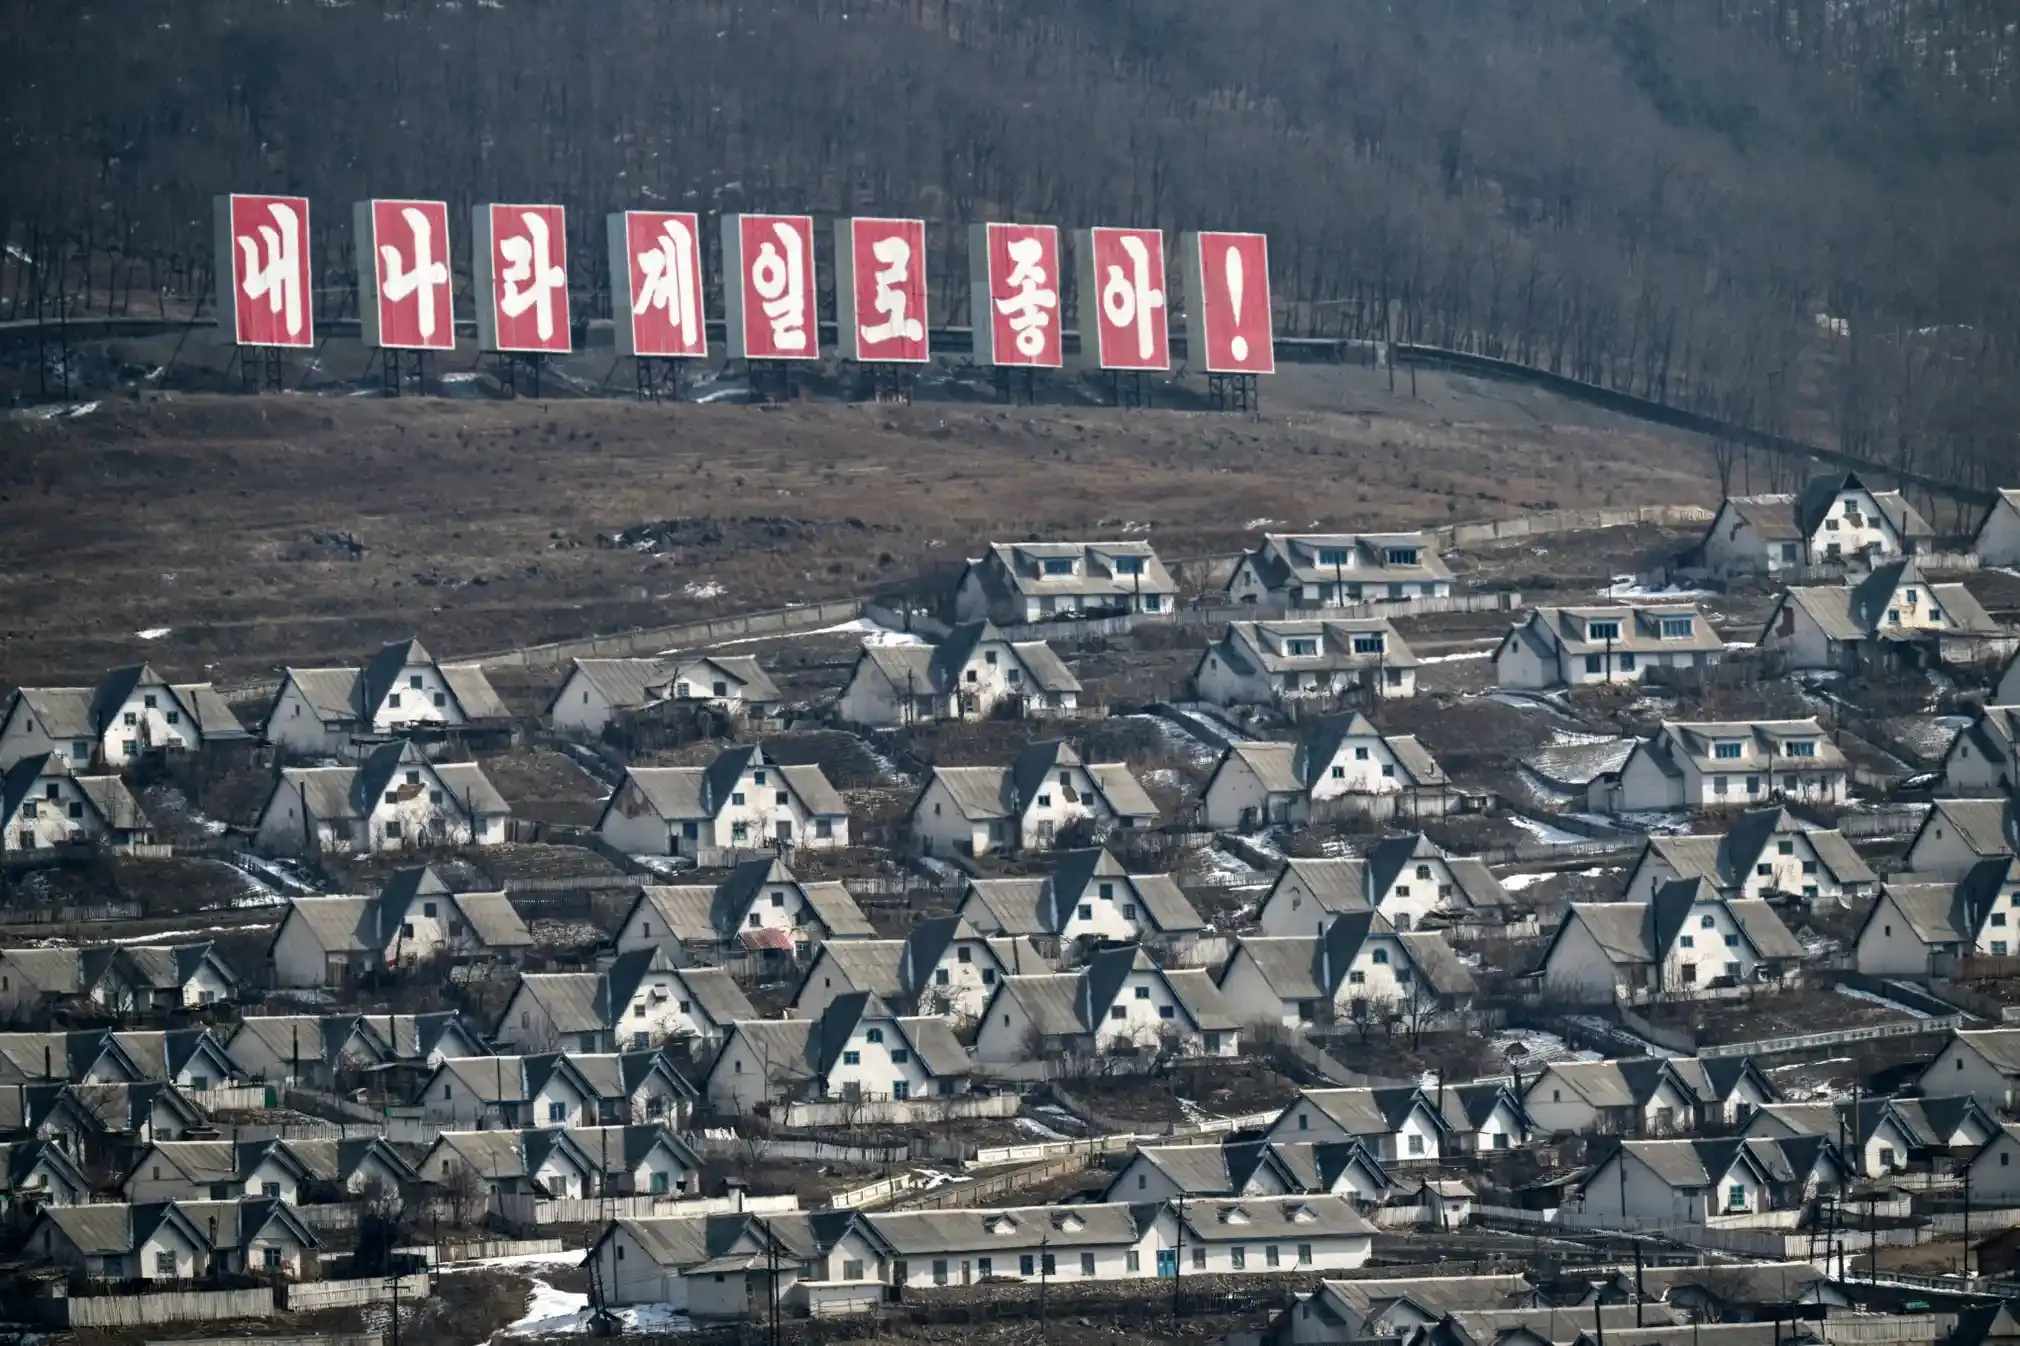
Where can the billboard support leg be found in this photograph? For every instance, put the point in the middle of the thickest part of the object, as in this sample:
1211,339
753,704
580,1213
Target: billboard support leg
1126,389
1234,392
417,364
892,383
1011,383
657,378
262,369
771,381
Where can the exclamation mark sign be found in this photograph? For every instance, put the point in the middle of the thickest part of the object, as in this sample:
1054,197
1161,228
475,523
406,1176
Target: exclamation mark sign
1239,346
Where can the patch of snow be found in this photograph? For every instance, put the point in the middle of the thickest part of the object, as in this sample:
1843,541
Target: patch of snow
1526,1047
1031,1126
1258,523
1543,832
566,1257
665,865
1626,588
872,634
153,632
1455,658
702,589
1856,994
1515,883
934,1178
1216,868
1178,742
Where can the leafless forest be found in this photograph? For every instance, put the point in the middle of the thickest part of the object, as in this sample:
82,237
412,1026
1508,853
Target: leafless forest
1796,213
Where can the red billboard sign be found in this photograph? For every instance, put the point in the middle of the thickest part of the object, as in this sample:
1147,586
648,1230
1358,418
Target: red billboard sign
768,287
655,278
1013,286
263,250
405,301
1122,303
1227,313
880,290
521,273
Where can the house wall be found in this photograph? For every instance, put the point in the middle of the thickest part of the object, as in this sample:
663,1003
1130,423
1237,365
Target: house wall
635,827
1107,910
526,1026
870,699
1999,927
1643,787
1577,970
205,987
1733,547
875,1073
167,1242
419,696
39,822
1000,1038
1634,1191
281,830
1235,791
660,1009
1888,945
968,985
581,711
938,826
736,1082
1793,630
136,726
1363,765
295,725
1960,1069
1798,871
1716,948
631,1276
1995,1172
559,1103
1050,810
1329,1252
762,814
1251,997
423,809
1555,1108
1519,666
1967,771
299,960
1873,534
1998,541
1940,850
24,735
1143,1000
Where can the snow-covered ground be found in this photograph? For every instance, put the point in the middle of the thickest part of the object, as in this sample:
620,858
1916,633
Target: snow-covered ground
1626,589
1217,868
1178,742
1543,832
1460,657
1528,1047
1031,1126
666,866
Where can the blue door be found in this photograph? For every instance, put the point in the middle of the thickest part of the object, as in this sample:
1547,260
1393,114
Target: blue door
1167,1263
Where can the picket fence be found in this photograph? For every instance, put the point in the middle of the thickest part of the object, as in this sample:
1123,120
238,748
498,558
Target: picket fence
526,1211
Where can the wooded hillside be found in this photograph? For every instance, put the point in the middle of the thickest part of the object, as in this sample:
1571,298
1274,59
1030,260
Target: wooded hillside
1797,213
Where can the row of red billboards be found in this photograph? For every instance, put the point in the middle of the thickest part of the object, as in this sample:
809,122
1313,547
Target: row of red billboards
768,264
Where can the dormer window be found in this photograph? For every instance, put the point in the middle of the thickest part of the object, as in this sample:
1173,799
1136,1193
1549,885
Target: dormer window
1336,557
1801,747
1304,1215
1129,565
1676,628
1056,565
1301,647
1001,1224
1234,1215
1603,630
1728,750
1402,556
1068,1223
1369,642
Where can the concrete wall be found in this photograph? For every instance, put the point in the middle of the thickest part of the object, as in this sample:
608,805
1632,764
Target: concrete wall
308,1296
687,635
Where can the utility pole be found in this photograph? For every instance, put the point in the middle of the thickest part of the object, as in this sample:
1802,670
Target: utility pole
1044,1274
1967,1222
1177,1260
396,1299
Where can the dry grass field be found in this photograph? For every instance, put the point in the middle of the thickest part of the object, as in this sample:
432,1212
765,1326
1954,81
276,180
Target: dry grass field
266,530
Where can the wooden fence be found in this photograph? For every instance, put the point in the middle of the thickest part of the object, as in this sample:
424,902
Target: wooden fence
309,1296
157,1306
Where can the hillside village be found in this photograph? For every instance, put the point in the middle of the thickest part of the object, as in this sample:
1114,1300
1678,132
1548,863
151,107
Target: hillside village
1366,936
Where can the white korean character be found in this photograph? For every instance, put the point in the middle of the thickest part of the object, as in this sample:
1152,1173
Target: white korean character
669,279
279,281
1127,299
896,255
528,264
427,272
782,286
1026,309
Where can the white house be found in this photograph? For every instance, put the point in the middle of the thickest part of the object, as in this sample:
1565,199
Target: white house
1689,1181
760,913
721,1266
858,1050
1892,616
1342,762
1998,539
972,810
974,672
1401,1124
318,1049
134,712
944,966
1330,570
1033,581
1982,759
1995,1169
1574,647
583,706
1957,833
140,978
37,1173
1983,1062
548,1161
1880,1136
414,918
1268,663
172,1241
1836,519
402,691
1358,969
1764,852
641,1000
1120,1001
1642,1095
736,806
1089,898
1410,880
216,1170
1712,765
1251,1168
1483,1117
394,800
43,805
1920,929
1686,940
574,1089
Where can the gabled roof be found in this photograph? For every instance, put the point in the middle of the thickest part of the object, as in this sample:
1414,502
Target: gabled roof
62,712
1638,933
1198,998
1986,826
1820,492
1284,558
1370,1112
622,683
1322,741
1078,873
1630,1082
